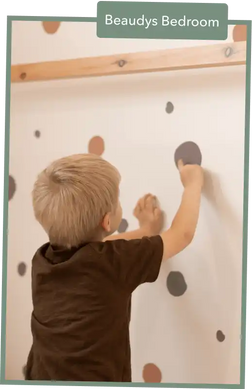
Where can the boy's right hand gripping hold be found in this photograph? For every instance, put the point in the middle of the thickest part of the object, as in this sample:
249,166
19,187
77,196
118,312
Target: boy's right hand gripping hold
184,224
191,175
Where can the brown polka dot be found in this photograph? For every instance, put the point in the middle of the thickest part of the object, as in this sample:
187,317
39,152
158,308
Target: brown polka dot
37,134
151,373
96,145
12,187
51,27
240,33
220,336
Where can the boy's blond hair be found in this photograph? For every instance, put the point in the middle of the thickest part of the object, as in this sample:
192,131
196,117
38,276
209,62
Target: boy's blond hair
71,197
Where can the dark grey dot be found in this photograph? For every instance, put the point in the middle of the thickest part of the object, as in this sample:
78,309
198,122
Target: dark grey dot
220,336
169,107
189,152
176,284
37,133
123,226
12,187
21,268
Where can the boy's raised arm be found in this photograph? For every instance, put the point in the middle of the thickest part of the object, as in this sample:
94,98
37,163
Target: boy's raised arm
184,224
135,234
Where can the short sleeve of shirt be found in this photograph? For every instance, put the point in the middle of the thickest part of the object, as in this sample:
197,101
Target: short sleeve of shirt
135,261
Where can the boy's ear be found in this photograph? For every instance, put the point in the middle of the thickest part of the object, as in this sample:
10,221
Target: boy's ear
106,223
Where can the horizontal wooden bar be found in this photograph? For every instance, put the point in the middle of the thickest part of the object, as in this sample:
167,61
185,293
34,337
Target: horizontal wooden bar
224,54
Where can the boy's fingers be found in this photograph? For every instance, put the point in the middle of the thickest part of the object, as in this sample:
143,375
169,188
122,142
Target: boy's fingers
138,204
148,201
151,202
180,164
136,210
142,201
158,213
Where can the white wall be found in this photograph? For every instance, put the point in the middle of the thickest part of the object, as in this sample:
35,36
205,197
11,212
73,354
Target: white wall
177,334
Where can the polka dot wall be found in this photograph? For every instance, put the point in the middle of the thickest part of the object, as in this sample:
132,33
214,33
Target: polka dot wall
175,282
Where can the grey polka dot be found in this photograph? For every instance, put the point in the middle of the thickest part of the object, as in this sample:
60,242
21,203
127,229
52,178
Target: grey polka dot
123,226
22,269
189,152
220,336
176,284
12,187
37,134
169,107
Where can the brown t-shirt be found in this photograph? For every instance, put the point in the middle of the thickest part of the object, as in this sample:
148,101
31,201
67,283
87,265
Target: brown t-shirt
81,308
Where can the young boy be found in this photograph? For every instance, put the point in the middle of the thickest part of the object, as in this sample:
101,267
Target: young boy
83,279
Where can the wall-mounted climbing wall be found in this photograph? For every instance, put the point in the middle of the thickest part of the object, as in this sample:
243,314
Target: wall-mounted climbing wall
185,328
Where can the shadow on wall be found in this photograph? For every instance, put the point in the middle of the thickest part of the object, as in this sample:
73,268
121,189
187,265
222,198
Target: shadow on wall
225,287
212,191
24,371
229,286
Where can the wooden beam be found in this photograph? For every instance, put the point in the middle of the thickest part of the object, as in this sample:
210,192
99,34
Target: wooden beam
225,54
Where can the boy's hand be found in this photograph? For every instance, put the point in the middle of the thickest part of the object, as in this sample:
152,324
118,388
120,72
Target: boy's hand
191,175
149,215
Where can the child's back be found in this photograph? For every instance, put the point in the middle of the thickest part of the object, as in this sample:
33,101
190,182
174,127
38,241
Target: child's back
81,298
81,282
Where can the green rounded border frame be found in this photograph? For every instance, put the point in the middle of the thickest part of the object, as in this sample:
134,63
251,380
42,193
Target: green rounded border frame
5,222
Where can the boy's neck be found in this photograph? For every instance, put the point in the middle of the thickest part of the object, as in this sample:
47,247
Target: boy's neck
96,238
